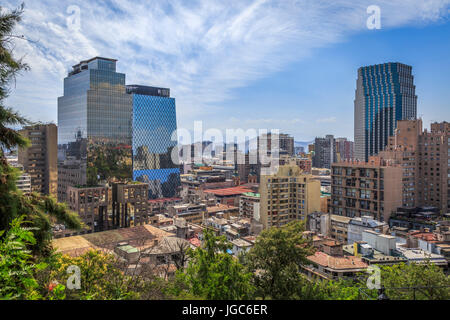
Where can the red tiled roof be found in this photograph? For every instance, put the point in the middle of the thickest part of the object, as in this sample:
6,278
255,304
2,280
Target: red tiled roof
195,241
427,236
229,191
347,262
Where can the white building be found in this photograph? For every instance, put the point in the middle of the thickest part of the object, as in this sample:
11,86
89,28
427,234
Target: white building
380,242
356,226
240,245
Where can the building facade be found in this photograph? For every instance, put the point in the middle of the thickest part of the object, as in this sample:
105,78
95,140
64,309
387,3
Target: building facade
39,160
424,157
324,152
434,167
249,204
371,188
155,156
344,149
94,119
385,93
287,195
110,132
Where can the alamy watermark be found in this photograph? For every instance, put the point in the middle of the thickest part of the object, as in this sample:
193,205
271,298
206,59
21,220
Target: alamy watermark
73,21
74,281
237,146
374,280
374,20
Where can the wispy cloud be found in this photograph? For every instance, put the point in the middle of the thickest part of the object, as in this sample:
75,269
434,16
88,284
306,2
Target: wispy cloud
326,120
202,50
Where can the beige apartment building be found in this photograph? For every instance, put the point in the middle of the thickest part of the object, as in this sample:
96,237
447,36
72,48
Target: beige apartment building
434,164
371,188
424,158
40,159
287,196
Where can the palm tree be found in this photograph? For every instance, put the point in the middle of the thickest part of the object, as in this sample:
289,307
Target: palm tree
40,211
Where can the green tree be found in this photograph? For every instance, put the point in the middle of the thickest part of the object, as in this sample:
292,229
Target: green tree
214,274
40,211
101,278
421,281
275,261
16,266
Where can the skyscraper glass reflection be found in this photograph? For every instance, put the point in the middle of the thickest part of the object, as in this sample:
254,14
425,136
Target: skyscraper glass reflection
94,120
110,132
154,124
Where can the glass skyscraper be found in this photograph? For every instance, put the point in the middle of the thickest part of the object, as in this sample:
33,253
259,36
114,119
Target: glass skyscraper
385,93
97,144
154,151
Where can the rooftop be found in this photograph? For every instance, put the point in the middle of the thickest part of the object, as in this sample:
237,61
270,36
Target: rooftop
233,191
220,207
241,243
337,263
138,237
252,194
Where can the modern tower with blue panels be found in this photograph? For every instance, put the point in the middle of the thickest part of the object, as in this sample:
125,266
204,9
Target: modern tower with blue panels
154,140
385,93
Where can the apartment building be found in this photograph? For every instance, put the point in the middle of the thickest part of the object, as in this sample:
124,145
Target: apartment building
249,205
40,159
288,195
424,158
371,188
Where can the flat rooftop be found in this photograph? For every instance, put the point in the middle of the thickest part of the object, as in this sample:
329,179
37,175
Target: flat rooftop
233,191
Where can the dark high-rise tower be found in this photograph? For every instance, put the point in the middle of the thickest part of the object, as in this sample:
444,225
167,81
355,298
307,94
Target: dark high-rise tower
385,93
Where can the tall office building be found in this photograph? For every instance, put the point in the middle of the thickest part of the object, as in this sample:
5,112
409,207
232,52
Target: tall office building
111,133
40,159
324,152
94,119
385,93
154,151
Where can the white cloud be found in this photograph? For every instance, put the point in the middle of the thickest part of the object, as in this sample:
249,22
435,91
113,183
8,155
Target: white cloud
201,49
326,120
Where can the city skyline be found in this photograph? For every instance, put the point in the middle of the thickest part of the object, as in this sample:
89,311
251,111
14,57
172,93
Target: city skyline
314,85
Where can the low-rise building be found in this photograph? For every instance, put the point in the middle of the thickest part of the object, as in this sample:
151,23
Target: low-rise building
329,225
356,226
330,267
240,246
227,210
191,212
415,218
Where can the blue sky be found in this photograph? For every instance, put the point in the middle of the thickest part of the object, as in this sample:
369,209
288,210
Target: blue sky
262,64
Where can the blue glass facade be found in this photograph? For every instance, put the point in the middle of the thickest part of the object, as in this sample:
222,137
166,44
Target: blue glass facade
154,124
385,94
